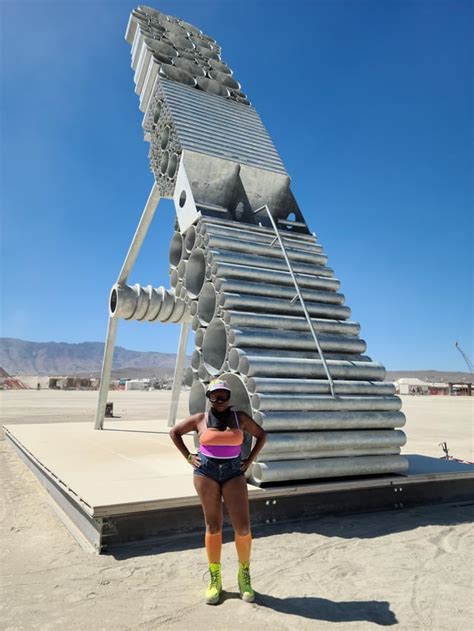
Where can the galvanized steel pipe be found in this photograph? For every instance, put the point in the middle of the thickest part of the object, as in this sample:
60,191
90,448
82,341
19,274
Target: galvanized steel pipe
190,376
238,319
247,272
197,398
195,273
214,346
296,420
269,290
210,222
265,472
190,239
324,440
146,303
256,248
247,302
199,337
317,386
176,249
240,258
272,402
196,359
207,303
293,340
303,454
236,353
274,366
254,233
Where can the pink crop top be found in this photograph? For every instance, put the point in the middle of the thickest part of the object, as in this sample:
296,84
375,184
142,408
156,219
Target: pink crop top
215,443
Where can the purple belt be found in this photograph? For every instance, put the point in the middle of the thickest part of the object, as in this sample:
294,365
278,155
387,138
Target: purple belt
220,451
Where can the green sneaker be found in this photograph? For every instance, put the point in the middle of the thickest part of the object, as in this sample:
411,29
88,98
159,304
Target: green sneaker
245,587
213,593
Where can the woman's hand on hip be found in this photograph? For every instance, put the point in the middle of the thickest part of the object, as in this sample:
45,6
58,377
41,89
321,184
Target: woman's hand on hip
245,464
195,461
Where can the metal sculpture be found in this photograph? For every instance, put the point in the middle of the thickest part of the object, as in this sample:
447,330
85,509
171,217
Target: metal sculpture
247,273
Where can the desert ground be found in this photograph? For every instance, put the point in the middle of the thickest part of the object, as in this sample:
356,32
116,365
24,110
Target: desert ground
411,569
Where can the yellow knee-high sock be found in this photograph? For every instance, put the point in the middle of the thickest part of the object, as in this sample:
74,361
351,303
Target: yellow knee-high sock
243,543
214,547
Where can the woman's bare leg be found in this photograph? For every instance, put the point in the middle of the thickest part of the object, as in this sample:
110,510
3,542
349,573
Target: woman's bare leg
209,492
236,499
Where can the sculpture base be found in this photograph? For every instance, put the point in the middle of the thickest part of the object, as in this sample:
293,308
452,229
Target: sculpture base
127,483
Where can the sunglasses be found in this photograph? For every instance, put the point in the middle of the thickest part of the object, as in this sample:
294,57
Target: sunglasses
219,398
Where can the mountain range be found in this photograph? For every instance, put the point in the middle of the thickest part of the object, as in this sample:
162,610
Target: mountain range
20,357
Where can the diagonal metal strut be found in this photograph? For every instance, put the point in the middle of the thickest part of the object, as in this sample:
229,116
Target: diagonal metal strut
133,251
299,295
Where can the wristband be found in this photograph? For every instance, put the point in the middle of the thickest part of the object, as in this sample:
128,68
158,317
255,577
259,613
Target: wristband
190,458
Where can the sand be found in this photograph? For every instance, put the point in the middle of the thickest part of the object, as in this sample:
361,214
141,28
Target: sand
411,568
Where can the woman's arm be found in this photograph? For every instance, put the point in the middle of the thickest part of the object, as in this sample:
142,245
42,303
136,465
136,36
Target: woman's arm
188,425
250,426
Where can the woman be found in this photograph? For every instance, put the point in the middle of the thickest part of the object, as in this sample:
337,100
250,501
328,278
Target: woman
219,475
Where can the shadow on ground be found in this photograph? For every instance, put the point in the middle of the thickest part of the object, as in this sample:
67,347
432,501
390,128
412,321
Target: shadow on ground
314,608
351,526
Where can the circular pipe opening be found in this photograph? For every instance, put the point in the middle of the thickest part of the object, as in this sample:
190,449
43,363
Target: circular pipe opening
196,359
234,359
113,300
180,40
173,165
195,324
195,273
188,54
181,268
174,278
198,337
182,201
203,374
197,398
225,79
207,303
212,86
164,49
257,474
189,65
165,136
214,346
156,115
176,249
190,237
220,66
208,54
189,376
164,162
176,74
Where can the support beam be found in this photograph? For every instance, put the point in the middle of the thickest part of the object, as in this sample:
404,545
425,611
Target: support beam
133,251
178,372
106,372
140,234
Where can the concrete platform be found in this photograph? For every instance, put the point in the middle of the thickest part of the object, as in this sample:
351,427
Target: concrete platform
127,483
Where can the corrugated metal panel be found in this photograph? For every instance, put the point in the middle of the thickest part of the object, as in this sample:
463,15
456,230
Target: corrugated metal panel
211,124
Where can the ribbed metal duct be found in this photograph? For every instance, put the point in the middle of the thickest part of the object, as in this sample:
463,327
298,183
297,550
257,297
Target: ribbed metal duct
154,304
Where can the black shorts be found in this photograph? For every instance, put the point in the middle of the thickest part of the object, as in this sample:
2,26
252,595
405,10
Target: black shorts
219,469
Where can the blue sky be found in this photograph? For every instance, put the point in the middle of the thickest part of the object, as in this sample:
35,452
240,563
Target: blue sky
369,103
